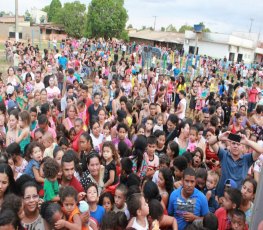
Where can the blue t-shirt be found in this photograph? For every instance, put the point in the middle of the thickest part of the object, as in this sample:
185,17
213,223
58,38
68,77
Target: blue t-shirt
176,72
231,169
63,61
196,204
98,214
29,168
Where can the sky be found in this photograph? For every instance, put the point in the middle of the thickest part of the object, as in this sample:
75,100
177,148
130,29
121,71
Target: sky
222,16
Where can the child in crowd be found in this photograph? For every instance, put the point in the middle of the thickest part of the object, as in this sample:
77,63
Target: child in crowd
51,188
49,144
106,201
160,147
201,176
139,210
152,160
193,137
69,200
159,124
120,199
238,221
106,131
110,156
210,190
35,156
172,151
96,211
33,116
164,163
23,137
231,201
179,165
122,130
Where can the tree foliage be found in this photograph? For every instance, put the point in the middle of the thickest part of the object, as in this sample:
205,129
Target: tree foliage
183,28
106,18
53,10
129,26
162,29
171,28
72,17
204,27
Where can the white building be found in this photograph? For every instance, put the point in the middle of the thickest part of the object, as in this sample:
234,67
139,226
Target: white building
38,16
235,47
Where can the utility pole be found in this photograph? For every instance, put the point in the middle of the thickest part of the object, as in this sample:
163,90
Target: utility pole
251,23
16,18
154,22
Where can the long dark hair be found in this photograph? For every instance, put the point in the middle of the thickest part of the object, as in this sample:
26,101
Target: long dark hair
6,169
139,147
168,177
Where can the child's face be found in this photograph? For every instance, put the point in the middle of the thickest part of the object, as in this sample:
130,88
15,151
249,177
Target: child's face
107,153
210,182
237,223
149,125
33,116
247,191
122,133
144,207
72,135
47,143
69,204
106,131
200,183
141,131
92,195
160,120
59,157
107,204
178,174
193,136
119,199
161,181
197,159
12,121
37,154
151,149
227,203
161,141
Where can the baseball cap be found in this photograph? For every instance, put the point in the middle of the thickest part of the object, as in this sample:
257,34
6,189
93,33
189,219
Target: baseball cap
230,183
10,89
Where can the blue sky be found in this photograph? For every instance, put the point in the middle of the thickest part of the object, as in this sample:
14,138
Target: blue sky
221,16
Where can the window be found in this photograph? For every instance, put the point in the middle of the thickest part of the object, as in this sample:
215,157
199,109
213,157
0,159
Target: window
13,35
48,31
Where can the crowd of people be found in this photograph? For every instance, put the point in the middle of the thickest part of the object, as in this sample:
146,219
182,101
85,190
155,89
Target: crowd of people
91,139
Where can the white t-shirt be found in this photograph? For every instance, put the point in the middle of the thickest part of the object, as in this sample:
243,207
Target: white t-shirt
182,105
52,93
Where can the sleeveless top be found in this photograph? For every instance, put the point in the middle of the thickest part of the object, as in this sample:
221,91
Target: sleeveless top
70,125
136,226
72,214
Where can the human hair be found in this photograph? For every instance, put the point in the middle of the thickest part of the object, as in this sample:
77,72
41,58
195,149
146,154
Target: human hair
14,149
251,181
180,163
25,117
168,178
96,94
13,202
92,184
6,169
29,184
126,165
123,99
123,149
47,211
42,119
123,189
210,221
155,209
31,146
109,221
110,145
164,160
9,217
189,172
238,115
134,203
239,213
33,109
68,191
174,148
92,155
214,175
122,125
51,168
139,147
235,196
182,125
151,140
198,150
93,122
201,173
151,191
193,127
63,141
106,195
68,157
14,112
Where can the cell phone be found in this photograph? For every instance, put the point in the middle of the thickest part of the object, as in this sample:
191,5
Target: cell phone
234,137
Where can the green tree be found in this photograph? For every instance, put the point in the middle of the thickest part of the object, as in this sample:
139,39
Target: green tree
42,19
53,10
2,13
28,17
162,29
72,17
150,28
106,18
171,28
46,8
129,26
204,27
185,27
